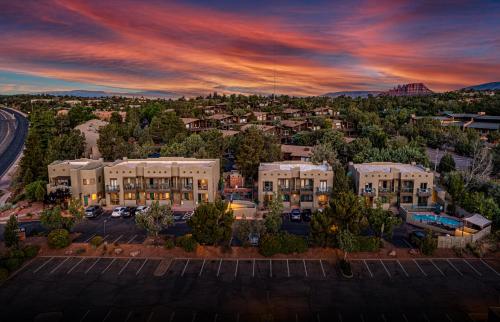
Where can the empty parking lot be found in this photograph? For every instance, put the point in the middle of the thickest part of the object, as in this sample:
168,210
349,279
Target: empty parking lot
214,289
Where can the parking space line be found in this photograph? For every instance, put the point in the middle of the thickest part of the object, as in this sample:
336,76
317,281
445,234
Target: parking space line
150,316
109,265
368,268
270,269
448,317
472,267
131,239
253,268
440,271
420,268
404,270
305,268
59,265
93,264
107,316
172,316
140,268
72,268
362,317
43,265
194,317
491,268
385,268
426,318
124,266
236,269
88,239
383,317
215,317
218,270
322,268
117,239
340,317
287,267
202,266
185,266
128,316
105,237
84,316
405,318
454,267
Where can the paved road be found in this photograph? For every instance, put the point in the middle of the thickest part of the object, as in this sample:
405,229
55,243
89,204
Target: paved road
11,138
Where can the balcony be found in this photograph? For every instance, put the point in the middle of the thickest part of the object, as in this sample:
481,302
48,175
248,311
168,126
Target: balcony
112,188
369,192
59,186
407,190
323,190
203,187
285,189
132,187
306,189
267,189
187,187
424,192
385,191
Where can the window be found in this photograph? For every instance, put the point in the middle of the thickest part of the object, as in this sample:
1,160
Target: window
284,183
113,182
203,197
286,198
203,184
129,196
115,199
306,198
85,182
187,196
92,181
94,196
322,185
268,186
407,199
306,183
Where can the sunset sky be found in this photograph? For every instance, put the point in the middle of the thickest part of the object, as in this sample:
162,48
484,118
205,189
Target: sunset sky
296,47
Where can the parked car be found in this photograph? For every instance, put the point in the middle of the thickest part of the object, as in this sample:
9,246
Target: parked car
129,212
306,215
93,211
416,237
188,215
177,215
141,209
295,215
253,238
118,212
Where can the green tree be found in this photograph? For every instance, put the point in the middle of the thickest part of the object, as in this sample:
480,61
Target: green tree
35,191
66,146
347,211
446,164
245,228
346,241
53,219
273,219
166,128
79,114
341,182
32,165
115,118
10,234
455,187
76,209
211,223
324,152
111,144
322,230
155,219
381,221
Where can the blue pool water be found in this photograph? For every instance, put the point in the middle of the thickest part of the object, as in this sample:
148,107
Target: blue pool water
429,217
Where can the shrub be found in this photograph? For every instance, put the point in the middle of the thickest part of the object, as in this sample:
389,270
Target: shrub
187,242
474,249
13,263
16,253
30,251
428,244
80,251
4,273
169,244
283,243
96,241
6,206
58,238
366,244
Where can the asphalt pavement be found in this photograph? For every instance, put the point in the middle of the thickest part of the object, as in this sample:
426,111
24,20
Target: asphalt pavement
11,148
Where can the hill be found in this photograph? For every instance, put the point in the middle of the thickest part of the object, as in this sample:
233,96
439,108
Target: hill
90,94
413,89
353,94
484,87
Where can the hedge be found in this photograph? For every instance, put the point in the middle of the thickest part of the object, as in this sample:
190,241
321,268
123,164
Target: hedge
187,242
282,243
366,244
96,241
58,238
30,251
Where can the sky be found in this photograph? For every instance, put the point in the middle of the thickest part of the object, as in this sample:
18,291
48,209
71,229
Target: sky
252,47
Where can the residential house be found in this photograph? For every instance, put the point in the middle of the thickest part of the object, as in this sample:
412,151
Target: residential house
296,152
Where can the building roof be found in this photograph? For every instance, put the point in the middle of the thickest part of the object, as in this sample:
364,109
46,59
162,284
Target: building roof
81,164
263,128
289,123
388,167
167,161
484,125
297,150
489,117
219,117
290,110
228,133
291,165
187,120
478,220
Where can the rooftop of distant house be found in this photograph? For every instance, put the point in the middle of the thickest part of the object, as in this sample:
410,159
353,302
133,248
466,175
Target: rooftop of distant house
294,165
388,167
297,150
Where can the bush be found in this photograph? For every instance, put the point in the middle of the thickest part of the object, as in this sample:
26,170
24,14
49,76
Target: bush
283,243
428,244
13,263
96,241
16,253
187,242
4,273
58,238
80,251
30,251
366,244
169,244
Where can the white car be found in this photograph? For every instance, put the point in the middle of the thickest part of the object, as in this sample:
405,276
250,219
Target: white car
118,212
141,209
188,215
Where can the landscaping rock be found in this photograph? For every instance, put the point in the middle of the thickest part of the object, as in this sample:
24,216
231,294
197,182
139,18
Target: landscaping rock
135,253
392,253
118,251
413,251
68,252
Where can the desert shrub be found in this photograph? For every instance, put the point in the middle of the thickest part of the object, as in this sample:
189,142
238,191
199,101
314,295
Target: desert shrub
283,243
187,242
16,253
428,244
169,244
13,263
366,244
58,238
30,251
6,206
96,241
474,249
80,251
4,273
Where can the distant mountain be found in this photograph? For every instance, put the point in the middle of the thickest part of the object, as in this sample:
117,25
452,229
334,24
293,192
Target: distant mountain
484,87
413,89
353,94
96,94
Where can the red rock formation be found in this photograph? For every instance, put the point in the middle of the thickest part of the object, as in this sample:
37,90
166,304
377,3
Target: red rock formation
409,90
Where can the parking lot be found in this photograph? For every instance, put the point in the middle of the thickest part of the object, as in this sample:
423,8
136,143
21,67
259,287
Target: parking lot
183,289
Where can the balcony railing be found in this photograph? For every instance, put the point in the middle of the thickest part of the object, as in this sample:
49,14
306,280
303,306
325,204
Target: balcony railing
306,188
187,187
370,192
385,191
158,187
407,189
285,189
267,189
132,187
424,192
112,188
56,186
202,187
323,190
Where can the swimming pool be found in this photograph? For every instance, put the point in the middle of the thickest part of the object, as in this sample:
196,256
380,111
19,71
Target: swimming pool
430,217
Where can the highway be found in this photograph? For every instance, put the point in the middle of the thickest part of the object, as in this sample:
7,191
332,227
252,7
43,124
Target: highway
13,132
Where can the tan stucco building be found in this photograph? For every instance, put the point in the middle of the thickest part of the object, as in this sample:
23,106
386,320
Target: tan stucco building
393,184
300,184
84,178
180,182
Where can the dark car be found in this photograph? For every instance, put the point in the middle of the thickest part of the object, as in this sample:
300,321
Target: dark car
128,212
416,237
295,215
306,215
93,211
